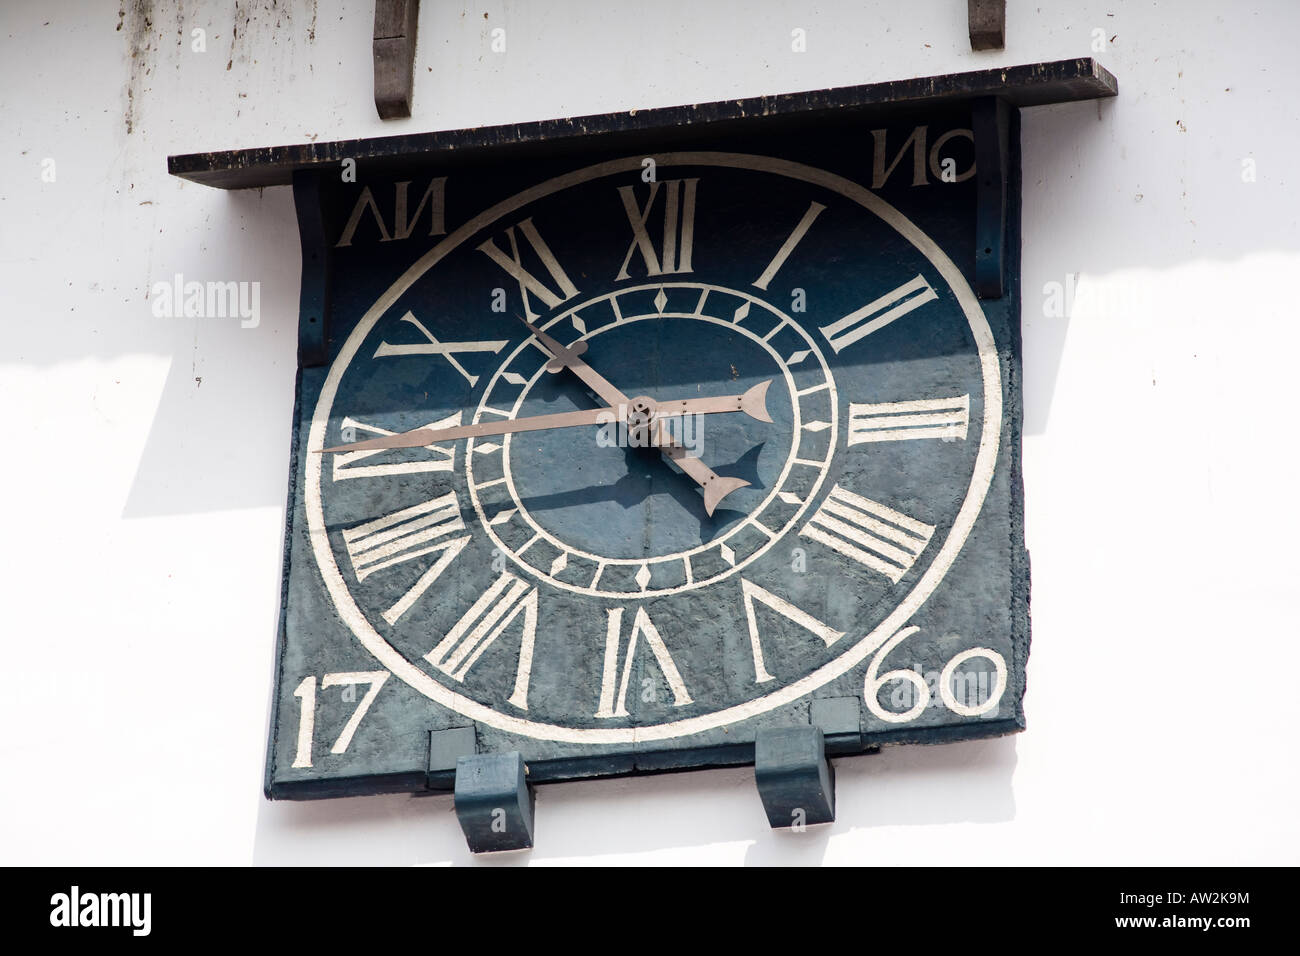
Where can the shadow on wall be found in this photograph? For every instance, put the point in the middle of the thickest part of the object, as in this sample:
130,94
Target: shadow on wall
716,812
209,447
1152,179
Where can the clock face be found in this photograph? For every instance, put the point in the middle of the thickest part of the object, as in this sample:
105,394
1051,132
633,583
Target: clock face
609,582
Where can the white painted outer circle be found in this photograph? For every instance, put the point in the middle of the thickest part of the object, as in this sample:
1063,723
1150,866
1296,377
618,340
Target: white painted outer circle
985,460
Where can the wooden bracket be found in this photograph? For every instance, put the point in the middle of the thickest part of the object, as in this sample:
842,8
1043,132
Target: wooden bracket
795,780
991,123
987,21
494,802
394,51
314,297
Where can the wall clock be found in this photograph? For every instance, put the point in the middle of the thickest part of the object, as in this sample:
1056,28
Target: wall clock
653,448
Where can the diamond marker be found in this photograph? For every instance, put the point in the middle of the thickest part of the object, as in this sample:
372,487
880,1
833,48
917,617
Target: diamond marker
790,498
817,426
741,312
503,517
661,300
487,448
514,378
728,555
643,576
560,563
798,357
580,325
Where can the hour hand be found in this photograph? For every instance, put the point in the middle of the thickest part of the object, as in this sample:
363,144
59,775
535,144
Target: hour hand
714,485
569,356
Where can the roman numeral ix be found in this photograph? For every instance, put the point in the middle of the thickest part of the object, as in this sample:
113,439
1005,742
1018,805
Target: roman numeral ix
432,346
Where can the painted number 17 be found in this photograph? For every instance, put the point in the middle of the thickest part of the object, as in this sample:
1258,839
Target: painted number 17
306,694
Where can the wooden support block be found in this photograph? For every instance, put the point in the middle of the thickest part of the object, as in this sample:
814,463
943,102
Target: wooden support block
394,53
494,802
840,721
795,780
446,747
991,124
314,294
987,21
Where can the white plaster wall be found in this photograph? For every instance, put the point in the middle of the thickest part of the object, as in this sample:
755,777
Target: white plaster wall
143,467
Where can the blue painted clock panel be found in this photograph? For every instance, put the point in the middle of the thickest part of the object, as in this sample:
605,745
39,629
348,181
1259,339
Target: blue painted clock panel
574,592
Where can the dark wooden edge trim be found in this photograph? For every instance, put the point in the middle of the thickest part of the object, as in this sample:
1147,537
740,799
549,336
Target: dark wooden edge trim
991,123
314,298
1036,84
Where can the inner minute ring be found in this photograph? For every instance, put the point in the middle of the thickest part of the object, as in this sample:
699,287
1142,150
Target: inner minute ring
685,556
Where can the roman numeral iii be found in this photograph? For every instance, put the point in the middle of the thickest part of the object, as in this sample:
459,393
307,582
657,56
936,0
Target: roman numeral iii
945,418
878,537
674,255
876,315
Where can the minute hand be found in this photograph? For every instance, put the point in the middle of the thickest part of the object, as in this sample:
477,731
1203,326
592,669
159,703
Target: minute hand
715,486
752,403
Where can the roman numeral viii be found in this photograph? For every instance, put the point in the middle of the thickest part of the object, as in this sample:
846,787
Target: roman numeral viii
422,529
674,255
881,538
876,315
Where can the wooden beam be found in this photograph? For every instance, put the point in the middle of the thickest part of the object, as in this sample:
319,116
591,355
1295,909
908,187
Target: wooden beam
987,20
394,50
649,131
